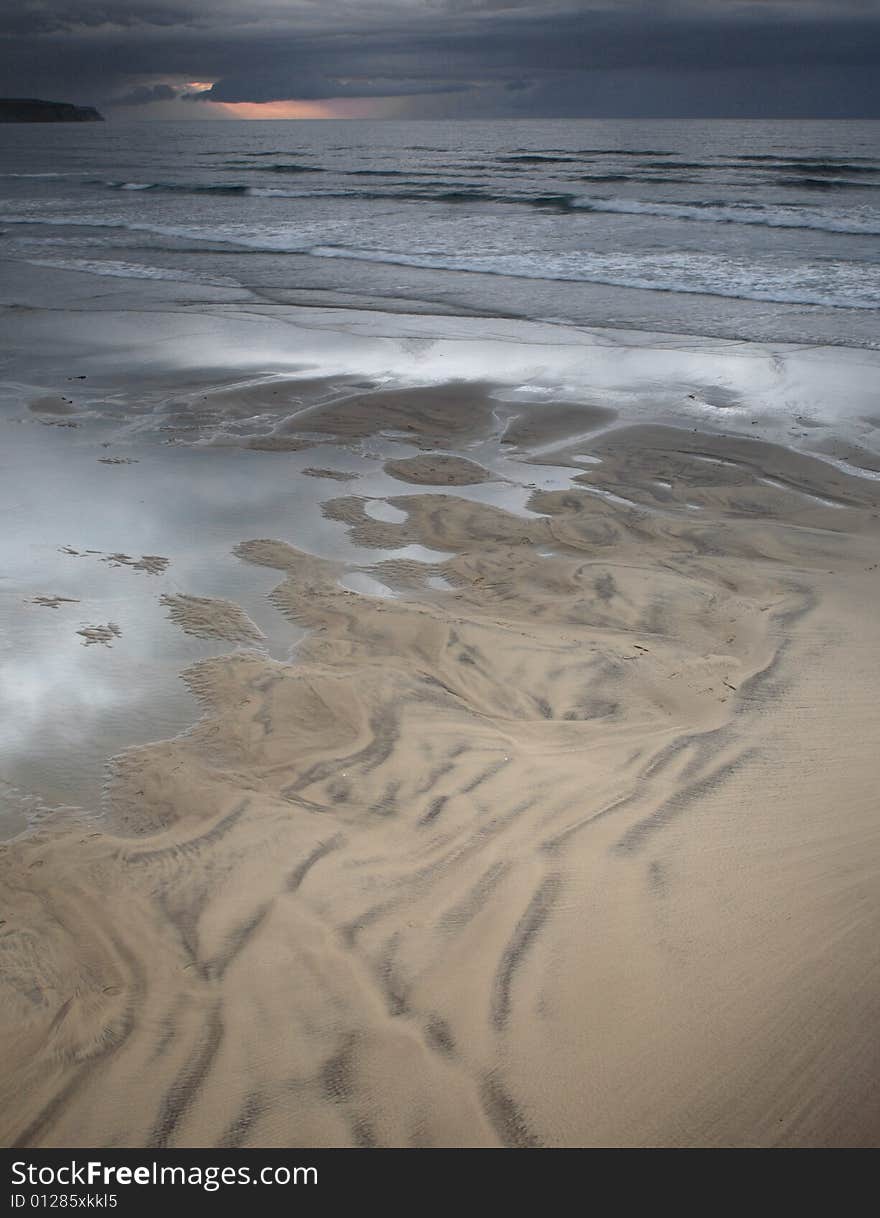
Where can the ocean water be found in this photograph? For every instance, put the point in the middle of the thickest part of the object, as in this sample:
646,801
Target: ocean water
752,230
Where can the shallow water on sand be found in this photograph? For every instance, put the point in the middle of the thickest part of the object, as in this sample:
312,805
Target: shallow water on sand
138,453
101,522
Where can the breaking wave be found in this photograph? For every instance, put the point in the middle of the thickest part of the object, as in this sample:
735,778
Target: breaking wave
841,284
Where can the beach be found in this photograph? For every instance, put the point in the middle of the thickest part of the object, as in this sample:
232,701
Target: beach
433,731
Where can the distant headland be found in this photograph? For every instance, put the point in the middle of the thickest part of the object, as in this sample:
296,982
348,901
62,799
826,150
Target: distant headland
31,110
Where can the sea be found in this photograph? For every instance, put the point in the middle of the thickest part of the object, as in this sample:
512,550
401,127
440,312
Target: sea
752,230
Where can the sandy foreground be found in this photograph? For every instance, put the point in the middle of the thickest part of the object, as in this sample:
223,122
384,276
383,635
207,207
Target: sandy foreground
573,841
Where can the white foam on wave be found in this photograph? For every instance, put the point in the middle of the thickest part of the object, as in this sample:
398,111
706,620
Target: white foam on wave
281,239
861,221
114,269
833,283
276,192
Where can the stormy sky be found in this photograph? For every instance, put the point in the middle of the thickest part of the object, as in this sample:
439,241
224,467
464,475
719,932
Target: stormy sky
447,58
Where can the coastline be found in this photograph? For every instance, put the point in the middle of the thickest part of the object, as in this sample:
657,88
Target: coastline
564,835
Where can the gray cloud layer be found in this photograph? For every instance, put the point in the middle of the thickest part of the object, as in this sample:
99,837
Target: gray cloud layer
458,57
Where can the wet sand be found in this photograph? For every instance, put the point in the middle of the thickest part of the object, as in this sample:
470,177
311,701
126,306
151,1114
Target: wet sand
567,838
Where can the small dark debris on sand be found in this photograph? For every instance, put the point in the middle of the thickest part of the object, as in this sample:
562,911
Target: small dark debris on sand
100,634
150,564
337,475
52,602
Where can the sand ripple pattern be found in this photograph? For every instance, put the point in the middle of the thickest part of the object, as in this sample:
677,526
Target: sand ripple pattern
572,853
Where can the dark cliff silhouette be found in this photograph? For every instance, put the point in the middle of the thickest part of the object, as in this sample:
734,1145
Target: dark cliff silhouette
31,110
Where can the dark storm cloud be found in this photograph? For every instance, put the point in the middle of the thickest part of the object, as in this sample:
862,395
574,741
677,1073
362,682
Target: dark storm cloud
143,95
458,56
316,88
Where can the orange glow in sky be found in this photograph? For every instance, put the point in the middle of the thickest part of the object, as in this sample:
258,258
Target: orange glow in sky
333,108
